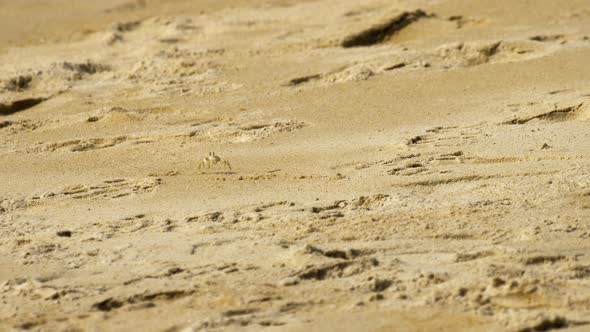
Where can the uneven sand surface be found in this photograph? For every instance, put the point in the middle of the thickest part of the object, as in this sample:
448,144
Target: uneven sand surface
396,165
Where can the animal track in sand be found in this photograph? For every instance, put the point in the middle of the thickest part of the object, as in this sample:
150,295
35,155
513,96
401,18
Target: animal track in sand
455,156
139,223
17,83
448,56
547,38
141,300
317,264
359,72
206,131
268,214
81,145
542,259
360,203
37,290
87,67
234,319
556,115
242,133
111,188
108,189
335,270
15,127
470,256
476,53
167,274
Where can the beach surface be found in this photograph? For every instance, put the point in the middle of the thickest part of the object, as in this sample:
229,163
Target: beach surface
377,165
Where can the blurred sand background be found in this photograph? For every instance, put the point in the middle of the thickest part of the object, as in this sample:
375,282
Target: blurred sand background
396,165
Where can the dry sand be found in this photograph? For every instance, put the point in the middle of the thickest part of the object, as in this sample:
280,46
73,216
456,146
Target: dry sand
396,165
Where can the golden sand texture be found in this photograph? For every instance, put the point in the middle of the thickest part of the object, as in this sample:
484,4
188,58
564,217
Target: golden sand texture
395,165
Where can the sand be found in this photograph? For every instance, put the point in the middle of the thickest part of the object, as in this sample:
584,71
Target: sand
395,165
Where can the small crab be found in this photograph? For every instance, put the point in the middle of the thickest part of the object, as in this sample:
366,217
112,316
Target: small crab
213,159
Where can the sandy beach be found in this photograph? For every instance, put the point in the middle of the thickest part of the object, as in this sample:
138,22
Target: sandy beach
282,165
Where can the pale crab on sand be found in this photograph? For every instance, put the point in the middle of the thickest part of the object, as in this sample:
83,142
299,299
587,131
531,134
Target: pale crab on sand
211,160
